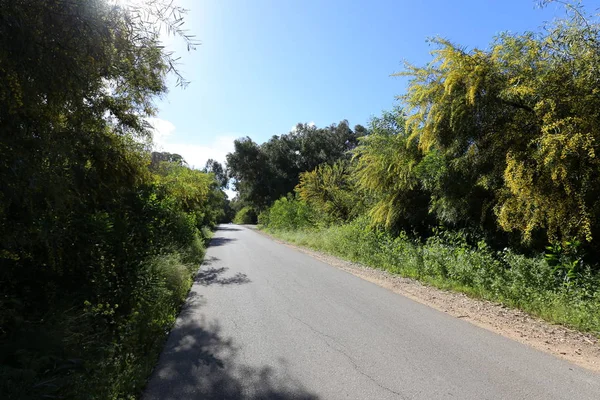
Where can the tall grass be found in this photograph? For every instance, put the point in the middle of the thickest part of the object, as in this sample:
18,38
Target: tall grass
447,261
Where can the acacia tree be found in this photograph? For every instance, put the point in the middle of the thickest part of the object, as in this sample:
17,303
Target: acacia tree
196,192
80,78
386,172
331,190
516,129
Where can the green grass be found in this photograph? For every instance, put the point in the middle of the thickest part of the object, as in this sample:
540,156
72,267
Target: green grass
447,262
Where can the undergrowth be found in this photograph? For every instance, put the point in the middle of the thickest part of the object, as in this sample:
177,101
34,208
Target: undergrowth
98,352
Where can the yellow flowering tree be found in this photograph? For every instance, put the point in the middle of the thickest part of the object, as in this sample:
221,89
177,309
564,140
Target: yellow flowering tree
519,123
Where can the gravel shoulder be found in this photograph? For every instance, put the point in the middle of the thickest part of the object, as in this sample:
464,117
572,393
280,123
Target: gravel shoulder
576,347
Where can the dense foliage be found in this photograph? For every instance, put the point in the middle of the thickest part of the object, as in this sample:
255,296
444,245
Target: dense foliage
263,173
98,238
495,147
287,213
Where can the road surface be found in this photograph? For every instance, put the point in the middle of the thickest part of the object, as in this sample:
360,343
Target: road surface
264,321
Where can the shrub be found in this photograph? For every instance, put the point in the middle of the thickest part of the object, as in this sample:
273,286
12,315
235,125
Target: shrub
288,213
96,249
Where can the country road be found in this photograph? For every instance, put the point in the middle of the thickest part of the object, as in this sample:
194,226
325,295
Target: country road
264,321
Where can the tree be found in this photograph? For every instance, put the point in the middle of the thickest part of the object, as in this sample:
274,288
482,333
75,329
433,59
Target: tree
516,128
196,192
386,170
252,173
215,167
263,173
75,99
82,219
156,158
330,190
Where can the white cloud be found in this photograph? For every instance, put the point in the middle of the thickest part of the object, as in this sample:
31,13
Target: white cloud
162,130
165,139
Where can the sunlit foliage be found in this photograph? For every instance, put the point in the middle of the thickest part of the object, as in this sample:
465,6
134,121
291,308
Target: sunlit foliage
519,123
485,178
331,190
263,173
386,171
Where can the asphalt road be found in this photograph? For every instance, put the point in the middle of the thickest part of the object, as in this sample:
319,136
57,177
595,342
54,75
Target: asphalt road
264,321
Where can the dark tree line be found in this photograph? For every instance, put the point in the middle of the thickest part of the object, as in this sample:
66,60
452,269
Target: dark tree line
263,173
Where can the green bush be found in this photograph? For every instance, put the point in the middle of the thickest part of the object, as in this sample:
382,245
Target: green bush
117,365
101,338
246,215
288,213
263,218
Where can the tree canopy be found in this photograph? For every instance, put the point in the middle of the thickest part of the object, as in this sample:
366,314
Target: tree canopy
501,142
263,173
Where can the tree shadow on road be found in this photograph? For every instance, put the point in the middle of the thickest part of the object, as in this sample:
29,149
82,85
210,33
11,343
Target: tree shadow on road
209,260
227,228
198,363
214,276
220,241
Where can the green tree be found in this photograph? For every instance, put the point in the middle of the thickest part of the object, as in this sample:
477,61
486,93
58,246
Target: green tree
289,213
156,158
196,192
220,173
85,303
330,190
252,173
264,173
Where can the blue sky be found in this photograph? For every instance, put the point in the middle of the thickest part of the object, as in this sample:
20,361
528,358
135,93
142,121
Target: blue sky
264,66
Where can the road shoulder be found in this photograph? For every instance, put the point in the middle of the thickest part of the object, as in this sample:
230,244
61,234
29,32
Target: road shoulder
576,347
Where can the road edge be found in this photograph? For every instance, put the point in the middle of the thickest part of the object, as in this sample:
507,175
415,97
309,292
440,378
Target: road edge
576,347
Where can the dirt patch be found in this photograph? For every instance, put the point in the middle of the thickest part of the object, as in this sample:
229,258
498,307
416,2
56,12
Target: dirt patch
579,348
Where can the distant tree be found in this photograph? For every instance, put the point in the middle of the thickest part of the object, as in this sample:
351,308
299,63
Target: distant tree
360,131
229,212
216,168
252,173
157,157
263,173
